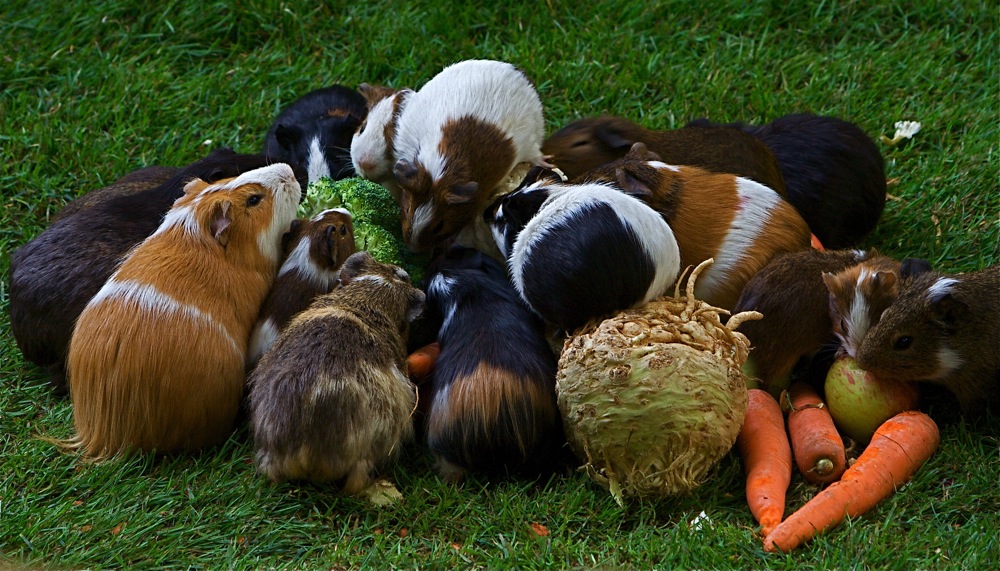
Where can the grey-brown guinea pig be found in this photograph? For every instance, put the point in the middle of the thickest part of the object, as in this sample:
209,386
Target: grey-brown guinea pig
589,143
942,329
833,170
53,276
315,248
157,361
738,222
136,181
331,400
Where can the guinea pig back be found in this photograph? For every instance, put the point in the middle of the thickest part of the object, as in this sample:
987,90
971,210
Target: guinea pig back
156,361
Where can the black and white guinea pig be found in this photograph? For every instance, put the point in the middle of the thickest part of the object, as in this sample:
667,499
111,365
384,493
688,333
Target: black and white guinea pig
53,276
493,403
315,132
576,252
833,171
314,248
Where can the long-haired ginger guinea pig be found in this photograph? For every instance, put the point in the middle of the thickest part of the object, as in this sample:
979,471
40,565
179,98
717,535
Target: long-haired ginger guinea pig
53,276
738,222
157,358
315,248
493,402
331,401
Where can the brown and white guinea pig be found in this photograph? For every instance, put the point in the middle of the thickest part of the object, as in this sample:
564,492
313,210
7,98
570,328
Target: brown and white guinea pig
589,143
576,252
456,140
53,276
315,248
858,296
834,173
331,400
493,402
941,329
740,223
315,132
372,144
791,295
157,358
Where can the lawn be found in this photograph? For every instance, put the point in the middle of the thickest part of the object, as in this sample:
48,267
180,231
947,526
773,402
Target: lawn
94,90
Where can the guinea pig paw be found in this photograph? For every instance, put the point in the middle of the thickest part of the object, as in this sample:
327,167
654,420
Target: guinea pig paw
382,492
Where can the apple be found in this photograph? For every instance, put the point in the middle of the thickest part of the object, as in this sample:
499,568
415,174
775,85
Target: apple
859,402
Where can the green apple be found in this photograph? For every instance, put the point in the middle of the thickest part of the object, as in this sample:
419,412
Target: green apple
859,402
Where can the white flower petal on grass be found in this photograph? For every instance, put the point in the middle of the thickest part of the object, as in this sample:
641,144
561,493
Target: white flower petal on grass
906,129
700,521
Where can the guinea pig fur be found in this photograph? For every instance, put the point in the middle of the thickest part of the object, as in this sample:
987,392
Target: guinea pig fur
331,401
132,183
53,276
858,296
315,132
315,249
833,170
941,329
589,143
372,144
576,252
790,293
157,358
738,222
493,406
456,140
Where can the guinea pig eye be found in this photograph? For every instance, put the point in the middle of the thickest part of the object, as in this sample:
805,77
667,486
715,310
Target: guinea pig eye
903,343
254,199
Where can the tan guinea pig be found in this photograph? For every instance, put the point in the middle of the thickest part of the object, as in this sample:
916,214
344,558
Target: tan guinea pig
156,361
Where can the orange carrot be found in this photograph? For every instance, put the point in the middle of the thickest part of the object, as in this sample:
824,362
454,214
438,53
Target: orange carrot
767,459
420,363
899,448
816,444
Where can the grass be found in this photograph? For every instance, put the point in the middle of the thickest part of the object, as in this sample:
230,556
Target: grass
93,90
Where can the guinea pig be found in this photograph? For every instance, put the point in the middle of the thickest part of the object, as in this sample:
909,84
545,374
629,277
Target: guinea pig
315,248
331,401
493,403
456,140
371,145
53,276
833,170
941,329
858,296
738,222
134,182
576,252
315,132
589,143
789,291
157,358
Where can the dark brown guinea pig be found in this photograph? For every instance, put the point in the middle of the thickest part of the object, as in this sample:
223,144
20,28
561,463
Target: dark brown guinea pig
589,143
738,222
136,181
942,329
53,276
790,293
331,400
315,248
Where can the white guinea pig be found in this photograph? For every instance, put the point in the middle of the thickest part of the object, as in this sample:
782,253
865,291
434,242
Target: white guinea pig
371,146
156,360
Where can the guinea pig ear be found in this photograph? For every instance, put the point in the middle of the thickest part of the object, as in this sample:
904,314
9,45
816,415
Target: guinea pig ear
404,170
461,193
194,186
354,266
947,311
220,222
287,135
911,267
631,184
613,138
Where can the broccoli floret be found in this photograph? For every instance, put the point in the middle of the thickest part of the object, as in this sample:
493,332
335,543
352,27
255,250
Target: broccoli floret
378,242
367,201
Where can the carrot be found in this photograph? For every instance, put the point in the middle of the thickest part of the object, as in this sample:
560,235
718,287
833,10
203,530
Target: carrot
816,444
767,459
899,448
420,363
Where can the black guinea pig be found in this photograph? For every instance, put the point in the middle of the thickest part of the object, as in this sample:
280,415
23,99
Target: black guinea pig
315,132
53,276
493,403
833,171
576,252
